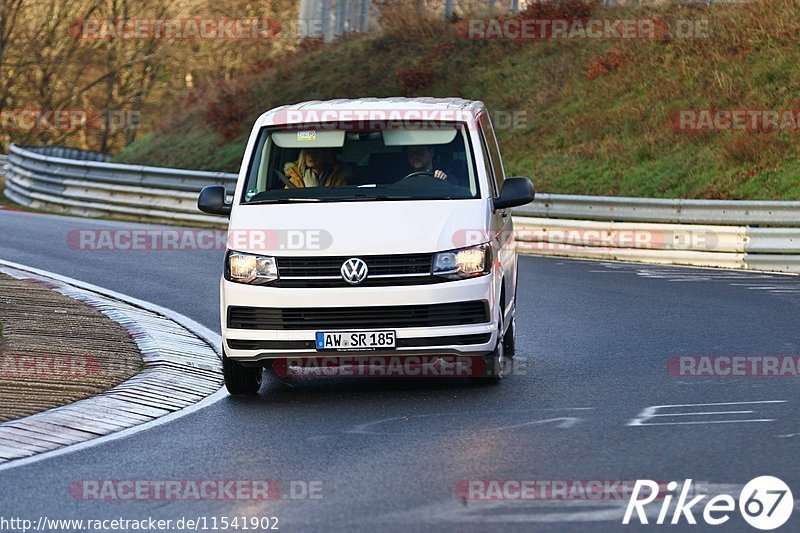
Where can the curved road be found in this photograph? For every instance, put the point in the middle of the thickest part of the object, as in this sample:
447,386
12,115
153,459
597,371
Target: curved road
596,338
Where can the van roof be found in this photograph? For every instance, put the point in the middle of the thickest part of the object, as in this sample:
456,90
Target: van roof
300,112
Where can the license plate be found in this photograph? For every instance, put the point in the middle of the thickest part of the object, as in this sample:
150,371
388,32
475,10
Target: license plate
355,340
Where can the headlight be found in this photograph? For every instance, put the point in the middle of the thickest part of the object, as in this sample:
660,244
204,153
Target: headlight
248,268
464,263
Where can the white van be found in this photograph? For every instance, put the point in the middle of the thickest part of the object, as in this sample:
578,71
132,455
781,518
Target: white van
369,226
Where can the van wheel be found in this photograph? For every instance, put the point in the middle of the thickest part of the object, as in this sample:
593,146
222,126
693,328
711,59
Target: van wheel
240,380
509,339
495,362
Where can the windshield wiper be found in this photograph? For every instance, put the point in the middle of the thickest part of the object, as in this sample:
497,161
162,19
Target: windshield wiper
355,198
385,198
284,201
373,198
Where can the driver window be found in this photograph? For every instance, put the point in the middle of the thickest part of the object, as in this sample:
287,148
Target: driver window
488,166
493,152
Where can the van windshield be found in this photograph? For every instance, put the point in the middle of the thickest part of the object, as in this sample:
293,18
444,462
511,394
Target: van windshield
325,165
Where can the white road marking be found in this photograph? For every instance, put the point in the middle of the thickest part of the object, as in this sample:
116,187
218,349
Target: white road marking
779,283
654,411
709,413
696,422
563,422
785,291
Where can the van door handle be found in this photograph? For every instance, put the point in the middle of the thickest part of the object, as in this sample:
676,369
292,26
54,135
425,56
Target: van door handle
504,214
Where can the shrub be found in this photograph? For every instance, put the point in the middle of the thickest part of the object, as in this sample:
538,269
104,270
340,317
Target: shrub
612,61
228,109
568,9
412,80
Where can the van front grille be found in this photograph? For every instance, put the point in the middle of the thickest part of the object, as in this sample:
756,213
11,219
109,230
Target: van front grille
384,270
332,318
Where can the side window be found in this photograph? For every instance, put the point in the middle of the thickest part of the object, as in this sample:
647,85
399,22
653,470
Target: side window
488,164
494,151
257,177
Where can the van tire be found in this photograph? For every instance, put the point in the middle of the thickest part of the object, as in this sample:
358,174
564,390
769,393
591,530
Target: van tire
496,362
509,339
241,380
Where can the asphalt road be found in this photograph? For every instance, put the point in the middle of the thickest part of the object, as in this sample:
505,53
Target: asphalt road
595,338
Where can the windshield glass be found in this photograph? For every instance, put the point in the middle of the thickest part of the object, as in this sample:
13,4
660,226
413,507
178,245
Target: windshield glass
315,165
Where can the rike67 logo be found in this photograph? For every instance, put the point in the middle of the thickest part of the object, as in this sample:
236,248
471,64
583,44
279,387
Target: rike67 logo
765,503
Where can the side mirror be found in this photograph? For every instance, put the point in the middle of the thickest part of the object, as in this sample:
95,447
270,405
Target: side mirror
516,192
212,200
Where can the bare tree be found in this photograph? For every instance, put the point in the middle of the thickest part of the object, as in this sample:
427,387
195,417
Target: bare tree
9,14
47,61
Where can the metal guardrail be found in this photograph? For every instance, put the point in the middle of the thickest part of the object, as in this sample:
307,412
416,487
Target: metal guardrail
620,209
689,232
85,183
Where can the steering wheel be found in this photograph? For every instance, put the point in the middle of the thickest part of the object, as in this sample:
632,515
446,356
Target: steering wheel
285,180
420,173
423,178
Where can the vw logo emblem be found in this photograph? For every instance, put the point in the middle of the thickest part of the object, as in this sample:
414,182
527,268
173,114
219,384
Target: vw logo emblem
354,271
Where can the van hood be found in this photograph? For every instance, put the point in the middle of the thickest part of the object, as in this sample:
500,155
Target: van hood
358,228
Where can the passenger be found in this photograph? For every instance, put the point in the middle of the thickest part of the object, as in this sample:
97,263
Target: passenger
420,158
316,167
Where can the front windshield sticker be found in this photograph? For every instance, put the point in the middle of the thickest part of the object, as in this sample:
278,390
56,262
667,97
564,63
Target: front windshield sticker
306,136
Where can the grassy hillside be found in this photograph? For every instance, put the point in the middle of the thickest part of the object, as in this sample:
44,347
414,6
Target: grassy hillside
598,115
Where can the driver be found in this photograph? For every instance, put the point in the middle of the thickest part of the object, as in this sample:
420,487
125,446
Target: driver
420,158
316,167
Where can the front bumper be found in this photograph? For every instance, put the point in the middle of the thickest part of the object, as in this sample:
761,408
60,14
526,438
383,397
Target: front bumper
417,340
